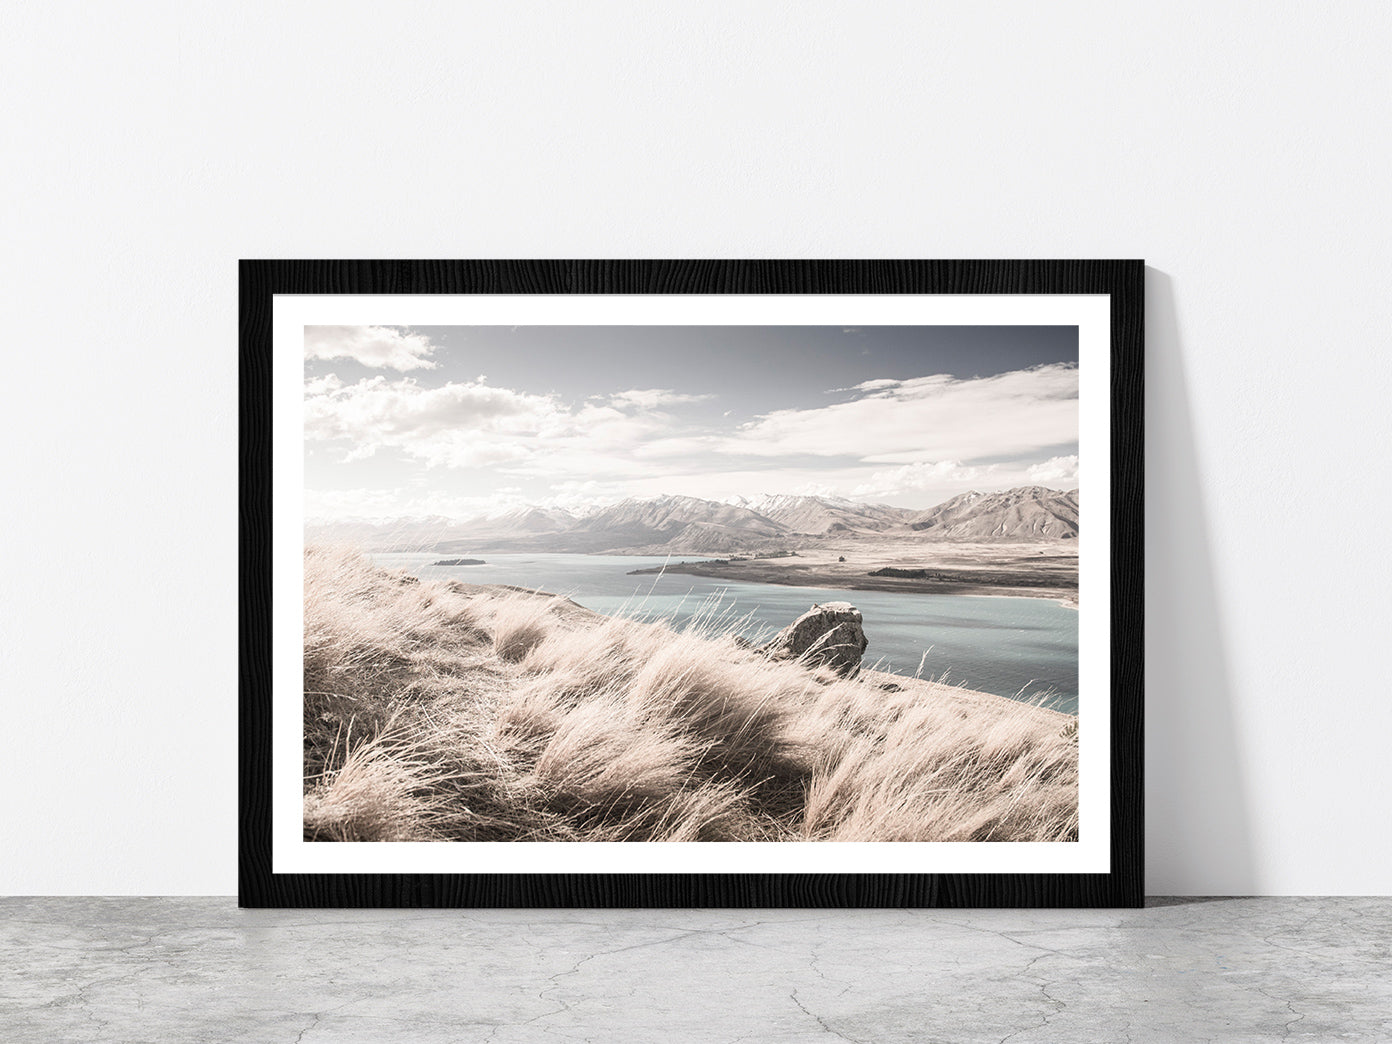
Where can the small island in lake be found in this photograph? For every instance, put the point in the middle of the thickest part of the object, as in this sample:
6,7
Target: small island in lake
460,561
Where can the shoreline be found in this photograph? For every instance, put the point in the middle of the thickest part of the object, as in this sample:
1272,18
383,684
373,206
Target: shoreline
979,571
965,582
973,700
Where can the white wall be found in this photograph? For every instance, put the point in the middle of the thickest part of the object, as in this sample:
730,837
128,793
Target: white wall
1241,148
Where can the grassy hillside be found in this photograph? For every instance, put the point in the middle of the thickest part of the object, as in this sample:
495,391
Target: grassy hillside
443,711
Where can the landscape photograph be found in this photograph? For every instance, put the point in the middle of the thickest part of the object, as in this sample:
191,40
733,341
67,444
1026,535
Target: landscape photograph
691,583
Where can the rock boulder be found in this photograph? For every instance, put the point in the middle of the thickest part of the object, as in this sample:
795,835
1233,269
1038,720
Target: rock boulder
830,635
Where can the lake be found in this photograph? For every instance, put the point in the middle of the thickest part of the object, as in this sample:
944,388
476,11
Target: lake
1016,647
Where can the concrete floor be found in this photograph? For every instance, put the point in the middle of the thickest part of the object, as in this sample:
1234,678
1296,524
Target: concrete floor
195,970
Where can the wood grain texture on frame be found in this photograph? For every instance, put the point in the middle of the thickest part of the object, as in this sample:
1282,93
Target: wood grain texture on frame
260,281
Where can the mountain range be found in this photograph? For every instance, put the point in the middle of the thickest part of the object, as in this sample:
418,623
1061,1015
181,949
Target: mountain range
689,525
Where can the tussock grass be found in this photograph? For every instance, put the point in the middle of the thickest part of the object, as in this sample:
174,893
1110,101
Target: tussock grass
442,711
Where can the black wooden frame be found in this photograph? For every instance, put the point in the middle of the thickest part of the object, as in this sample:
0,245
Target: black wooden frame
258,886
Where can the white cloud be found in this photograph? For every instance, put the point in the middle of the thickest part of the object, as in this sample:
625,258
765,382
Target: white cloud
651,398
468,424
378,347
329,505
580,496
876,384
472,424
1056,469
922,476
926,418
316,386
322,505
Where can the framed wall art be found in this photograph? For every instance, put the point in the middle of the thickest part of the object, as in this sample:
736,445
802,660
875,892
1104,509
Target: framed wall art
691,583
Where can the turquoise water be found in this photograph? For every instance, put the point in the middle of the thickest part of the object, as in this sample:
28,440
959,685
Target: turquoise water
1008,646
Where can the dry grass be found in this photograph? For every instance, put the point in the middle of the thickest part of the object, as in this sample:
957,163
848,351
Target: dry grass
439,711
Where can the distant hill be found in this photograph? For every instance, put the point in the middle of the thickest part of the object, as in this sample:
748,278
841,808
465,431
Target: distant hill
522,523
663,519
820,515
1025,513
534,520
689,525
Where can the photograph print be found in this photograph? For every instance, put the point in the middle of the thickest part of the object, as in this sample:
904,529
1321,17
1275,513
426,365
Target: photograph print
784,586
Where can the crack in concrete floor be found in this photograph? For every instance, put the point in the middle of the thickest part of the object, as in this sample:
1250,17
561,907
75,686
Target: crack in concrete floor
1242,970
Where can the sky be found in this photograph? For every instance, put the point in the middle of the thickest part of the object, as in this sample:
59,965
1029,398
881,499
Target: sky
462,421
